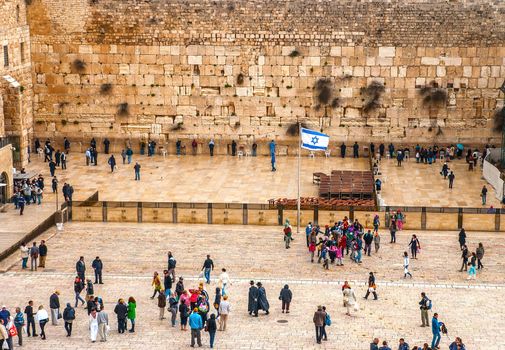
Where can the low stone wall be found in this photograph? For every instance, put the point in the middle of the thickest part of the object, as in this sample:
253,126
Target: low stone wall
441,219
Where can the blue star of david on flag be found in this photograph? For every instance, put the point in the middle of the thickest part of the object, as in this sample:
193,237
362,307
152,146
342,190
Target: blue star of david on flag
314,140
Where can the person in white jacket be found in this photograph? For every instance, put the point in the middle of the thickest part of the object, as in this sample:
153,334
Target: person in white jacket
93,325
224,279
24,255
406,263
42,317
349,300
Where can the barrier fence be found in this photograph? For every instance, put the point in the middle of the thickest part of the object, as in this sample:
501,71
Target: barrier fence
416,218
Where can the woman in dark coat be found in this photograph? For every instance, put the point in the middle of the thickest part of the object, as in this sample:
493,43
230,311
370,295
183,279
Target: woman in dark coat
462,238
285,296
262,298
252,306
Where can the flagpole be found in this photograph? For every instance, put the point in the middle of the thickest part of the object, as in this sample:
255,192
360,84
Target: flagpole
299,182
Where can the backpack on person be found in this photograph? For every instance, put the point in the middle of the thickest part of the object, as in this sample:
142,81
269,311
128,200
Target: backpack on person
172,263
327,320
428,304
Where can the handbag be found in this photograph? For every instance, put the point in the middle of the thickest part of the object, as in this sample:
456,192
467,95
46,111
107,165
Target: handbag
356,307
13,331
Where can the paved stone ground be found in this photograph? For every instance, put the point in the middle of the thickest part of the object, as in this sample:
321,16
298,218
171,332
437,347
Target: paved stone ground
249,179
131,252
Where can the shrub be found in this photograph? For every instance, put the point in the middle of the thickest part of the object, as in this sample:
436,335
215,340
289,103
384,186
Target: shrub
294,130
79,65
294,53
105,88
123,109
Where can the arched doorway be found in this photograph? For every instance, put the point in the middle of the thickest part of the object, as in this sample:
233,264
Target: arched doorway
3,187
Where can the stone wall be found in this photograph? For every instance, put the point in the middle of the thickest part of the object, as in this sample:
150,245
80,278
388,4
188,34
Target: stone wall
6,172
16,86
248,69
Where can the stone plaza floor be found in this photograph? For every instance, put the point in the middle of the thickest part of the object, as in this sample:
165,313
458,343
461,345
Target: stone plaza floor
131,252
250,179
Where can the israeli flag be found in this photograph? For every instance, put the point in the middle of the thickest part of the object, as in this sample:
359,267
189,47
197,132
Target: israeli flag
315,141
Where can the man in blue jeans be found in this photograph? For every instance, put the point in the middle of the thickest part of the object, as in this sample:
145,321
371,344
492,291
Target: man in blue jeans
435,329
196,325
208,266
137,171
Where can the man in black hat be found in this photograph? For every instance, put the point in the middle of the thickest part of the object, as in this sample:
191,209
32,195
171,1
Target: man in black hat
253,299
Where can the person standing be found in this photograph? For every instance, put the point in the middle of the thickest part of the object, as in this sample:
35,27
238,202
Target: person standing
212,328
4,335
196,325
472,272
156,283
319,320
172,263
425,306
272,154
123,156
183,314
80,267
93,325
21,203
435,330
349,298
63,159
103,324
19,322
97,265
25,253
167,283
121,310
308,231
136,167
224,280
132,313
377,241
208,266
483,194
172,307
252,307
57,157
403,345
223,313
480,255
355,150
406,263
106,144
162,303
194,146
262,299
414,246
285,297
43,253
30,319
464,259
129,154
112,163
392,231
42,317
451,179
54,305
462,238
368,238
374,345
233,148
68,318
54,184
342,150
211,147
52,167
372,288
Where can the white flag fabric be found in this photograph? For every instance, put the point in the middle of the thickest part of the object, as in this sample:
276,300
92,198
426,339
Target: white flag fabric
314,141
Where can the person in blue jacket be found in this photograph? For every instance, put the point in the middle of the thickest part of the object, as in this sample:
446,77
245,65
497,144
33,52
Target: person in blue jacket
196,325
435,329
272,154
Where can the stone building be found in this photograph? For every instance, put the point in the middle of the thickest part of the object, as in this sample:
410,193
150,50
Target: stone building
389,71
16,90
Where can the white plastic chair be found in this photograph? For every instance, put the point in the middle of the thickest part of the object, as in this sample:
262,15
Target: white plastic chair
311,154
327,153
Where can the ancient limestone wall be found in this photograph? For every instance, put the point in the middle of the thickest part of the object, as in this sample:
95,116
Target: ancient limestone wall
400,71
16,77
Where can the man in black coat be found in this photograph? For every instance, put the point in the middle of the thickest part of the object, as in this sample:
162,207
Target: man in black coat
80,267
97,265
30,319
342,150
121,310
54,305
253,299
